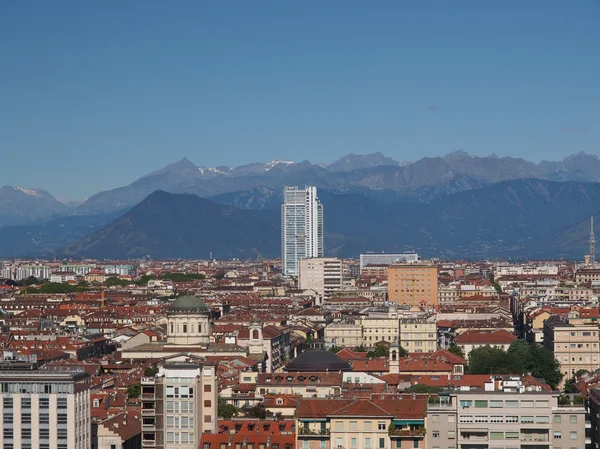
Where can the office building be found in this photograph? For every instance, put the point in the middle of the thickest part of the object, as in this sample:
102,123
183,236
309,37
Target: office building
179,404
505,414
386,259
575,345
45,409
301,227
413,284
323,275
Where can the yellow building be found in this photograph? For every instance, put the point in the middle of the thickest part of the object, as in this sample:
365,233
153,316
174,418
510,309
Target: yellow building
418,335
413,284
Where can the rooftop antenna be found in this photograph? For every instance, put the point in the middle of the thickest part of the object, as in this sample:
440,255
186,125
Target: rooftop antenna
592,242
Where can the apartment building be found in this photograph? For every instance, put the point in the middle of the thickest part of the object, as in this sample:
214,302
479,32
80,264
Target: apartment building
418,335
413,284
504,414
44,409
322,275
380,326
361,423
575,345
346,334
179,404
386,259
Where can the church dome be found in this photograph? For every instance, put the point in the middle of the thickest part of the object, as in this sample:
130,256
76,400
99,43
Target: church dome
188,304
317,361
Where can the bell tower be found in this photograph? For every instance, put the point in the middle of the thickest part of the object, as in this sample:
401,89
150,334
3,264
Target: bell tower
394,358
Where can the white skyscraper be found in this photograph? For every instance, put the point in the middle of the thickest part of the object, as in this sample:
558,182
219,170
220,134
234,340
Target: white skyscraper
301,227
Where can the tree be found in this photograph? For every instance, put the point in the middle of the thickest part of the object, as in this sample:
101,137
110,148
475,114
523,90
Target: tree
225,410
402,352
115,281
382,351
420,388
258,411
31,280
456,350
360,348
336,349
134,390
151,371
578,400
522,357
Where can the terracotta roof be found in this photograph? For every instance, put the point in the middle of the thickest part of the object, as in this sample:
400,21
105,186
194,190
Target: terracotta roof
484,337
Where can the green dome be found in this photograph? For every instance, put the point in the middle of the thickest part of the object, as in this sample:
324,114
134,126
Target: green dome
187,304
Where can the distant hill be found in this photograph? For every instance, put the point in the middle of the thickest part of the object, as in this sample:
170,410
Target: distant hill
507,219
166,225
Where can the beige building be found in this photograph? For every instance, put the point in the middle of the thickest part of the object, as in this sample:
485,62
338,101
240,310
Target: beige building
505,414
321,274
380,326
179,404
413,284
44,409
575,345
344,334
418,335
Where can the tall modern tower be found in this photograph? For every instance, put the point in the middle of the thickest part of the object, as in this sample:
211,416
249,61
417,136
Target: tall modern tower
301,227
592,242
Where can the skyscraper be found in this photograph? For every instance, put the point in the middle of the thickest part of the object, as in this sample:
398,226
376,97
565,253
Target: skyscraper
301,227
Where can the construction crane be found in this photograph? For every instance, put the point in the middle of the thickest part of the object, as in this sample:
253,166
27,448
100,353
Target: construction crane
263,260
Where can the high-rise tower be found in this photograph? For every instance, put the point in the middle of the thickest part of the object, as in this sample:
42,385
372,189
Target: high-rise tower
301,227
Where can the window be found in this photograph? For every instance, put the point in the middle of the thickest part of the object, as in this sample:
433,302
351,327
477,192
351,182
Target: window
382,443
305,444
7,402
481,419
451,434
367,443
26,403
573,419
527,419
61,403
557,435
465,404
8,417
352,442
353,425
511,404
512,419
61,418
44,434
435,418
322,444
542,419
573,435
512,435
207,388
26,418
496,419
207,418
542,404
557,419
339,426
367,425
62,434
26,433
496,404
526,404
481,404
435,434
496,435
44,402
380,426
465,419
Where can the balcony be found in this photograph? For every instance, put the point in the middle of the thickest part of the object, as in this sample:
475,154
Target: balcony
588,424
147,381
308,433
148,443
148,412
407,433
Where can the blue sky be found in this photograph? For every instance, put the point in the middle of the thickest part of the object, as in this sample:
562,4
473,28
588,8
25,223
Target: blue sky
96,94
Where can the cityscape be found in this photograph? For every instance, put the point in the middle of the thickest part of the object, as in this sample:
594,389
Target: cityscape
299,225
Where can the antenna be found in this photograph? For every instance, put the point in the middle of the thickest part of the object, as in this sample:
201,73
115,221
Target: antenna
592,242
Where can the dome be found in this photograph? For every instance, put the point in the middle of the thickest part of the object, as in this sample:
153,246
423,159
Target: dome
188,304
317,361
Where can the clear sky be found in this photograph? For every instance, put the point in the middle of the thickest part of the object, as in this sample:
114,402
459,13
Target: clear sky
95,94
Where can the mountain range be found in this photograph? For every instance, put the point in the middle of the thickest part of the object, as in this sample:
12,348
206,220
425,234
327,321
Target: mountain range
457,205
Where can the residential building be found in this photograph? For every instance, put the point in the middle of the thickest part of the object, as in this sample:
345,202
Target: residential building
179,404
361,423
321,274
386,259
42,408
301,227
413,284
473,339
61,277
575,345
122,431
252,434
380,326
418,335
344,334
504,413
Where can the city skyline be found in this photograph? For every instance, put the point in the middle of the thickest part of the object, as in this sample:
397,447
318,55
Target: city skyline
232,84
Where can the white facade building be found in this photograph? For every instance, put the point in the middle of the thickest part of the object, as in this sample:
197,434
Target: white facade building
387,259
301,227
321,274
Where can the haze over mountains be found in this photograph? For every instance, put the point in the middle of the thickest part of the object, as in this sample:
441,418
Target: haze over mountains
456,205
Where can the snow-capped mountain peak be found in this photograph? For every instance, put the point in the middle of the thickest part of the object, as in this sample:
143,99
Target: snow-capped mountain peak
275,162
30,192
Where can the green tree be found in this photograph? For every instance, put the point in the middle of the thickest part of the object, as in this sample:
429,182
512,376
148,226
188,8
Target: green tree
336,349
143,280
225,410
31,280
578,400
420,388
134,391
456,350
360,348
382,351
115,281
151,371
